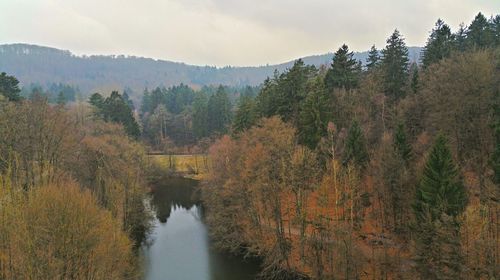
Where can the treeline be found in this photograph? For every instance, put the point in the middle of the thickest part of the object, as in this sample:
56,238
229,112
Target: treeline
71,191
378,172
55,93
181,116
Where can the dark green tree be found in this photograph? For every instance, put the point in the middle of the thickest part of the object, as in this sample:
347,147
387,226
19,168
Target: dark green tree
395,66
267,99
495,28
440,198
441,190
246,115
344,71
200,116
219,111
373,58
9,87
460,38
479,33
355,147
97,102
439,44
146,102
115,109
315,114
291,90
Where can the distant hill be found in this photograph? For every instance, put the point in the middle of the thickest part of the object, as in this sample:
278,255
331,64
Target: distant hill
44,65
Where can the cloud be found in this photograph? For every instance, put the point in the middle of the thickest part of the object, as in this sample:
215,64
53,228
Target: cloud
225,32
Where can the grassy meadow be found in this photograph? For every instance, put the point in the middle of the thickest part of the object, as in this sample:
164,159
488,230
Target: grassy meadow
195,165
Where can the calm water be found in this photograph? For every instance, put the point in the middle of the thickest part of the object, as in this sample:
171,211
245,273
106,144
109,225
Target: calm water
181,249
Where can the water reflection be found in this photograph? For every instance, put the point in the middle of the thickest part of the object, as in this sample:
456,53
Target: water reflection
181,248
174,192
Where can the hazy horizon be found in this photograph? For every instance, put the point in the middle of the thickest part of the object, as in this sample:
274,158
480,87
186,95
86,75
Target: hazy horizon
222,33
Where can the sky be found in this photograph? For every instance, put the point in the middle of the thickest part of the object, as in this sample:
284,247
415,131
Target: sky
227,32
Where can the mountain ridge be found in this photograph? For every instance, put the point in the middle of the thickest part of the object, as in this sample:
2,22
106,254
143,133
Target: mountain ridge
45,65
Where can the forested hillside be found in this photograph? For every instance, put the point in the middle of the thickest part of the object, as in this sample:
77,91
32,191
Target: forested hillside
388,172
44,66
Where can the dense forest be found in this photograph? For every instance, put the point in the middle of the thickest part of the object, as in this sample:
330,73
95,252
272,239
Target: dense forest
385,168
389,171
180,119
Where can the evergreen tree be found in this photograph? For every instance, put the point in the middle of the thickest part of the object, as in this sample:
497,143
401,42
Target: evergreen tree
146,102
479,33
373,58
355,150
440,198
401,145
248,92
440,191
219,111
127,100
267,99
97,101
460,38
115,109
495,29
291,90
9,87
315,114
246,115
200,116
395,66
438,45
344,71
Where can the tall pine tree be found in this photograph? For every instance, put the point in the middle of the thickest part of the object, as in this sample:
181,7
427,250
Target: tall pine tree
344,71
315,114
373,58
439,44
219,111
246,115
440,198
479,33
441,190
395,66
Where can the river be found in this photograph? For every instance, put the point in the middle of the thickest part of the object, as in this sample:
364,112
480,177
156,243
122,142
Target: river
181,248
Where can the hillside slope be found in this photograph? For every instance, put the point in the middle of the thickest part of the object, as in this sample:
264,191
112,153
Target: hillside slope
44,65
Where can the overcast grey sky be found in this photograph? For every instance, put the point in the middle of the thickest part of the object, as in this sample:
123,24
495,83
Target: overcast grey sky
226,32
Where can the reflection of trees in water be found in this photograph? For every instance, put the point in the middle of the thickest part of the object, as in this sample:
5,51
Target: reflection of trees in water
172,192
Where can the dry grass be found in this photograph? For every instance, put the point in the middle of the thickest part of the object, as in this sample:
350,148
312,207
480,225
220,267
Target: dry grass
196,165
